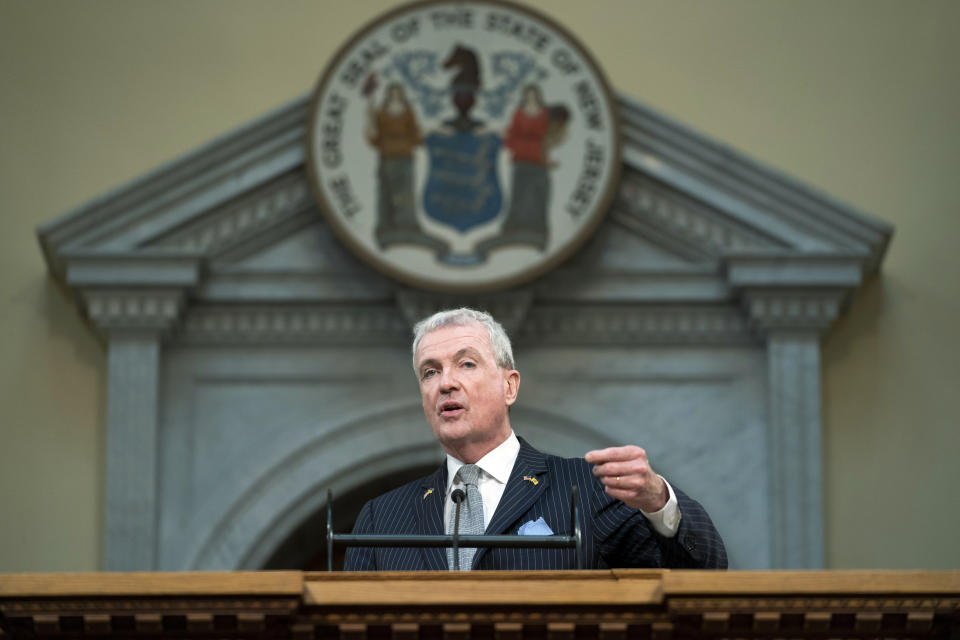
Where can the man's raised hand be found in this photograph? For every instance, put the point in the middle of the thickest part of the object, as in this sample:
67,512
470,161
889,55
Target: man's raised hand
627,476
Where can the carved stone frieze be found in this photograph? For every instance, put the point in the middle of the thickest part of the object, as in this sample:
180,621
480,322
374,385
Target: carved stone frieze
636,325
325,324
238,220
510,308
801,310
143,309
293,324
793,290
668,211
125,290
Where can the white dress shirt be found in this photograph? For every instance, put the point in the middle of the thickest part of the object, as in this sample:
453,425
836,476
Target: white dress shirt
495,468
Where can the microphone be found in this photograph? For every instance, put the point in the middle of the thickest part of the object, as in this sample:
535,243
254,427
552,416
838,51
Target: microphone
458,496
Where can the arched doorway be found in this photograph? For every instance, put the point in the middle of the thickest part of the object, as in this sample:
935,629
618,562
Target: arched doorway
303,543
305,548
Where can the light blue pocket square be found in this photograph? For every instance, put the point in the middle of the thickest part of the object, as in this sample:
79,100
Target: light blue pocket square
538,527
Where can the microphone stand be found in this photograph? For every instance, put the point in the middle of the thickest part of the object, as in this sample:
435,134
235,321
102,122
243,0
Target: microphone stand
458,496
573,541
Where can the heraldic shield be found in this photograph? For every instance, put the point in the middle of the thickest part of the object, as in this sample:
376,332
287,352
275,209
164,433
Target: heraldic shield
462,188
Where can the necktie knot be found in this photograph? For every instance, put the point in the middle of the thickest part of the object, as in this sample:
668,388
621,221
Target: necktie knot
469,474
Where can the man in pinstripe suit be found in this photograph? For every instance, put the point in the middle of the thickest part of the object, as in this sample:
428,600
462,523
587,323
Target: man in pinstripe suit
633,517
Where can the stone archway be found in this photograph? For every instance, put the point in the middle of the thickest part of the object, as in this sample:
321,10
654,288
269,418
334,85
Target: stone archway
305,547
281,516
274,503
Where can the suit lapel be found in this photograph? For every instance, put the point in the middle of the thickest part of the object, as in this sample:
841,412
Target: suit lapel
520,493
429,514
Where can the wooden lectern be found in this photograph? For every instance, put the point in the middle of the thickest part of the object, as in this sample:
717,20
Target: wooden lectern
561,605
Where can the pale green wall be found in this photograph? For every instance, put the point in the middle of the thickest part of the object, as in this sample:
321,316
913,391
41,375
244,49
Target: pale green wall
858,99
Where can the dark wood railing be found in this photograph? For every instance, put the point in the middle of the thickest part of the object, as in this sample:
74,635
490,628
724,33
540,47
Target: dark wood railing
566,605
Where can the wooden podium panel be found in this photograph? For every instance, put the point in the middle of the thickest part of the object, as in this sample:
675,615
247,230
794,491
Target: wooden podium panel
562,605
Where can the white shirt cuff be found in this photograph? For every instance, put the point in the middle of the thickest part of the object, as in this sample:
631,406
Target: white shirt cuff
666,521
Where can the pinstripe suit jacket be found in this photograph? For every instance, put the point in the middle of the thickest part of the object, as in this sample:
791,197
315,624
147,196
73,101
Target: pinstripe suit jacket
614,535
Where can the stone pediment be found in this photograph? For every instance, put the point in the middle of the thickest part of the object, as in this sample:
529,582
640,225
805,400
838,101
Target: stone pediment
693,222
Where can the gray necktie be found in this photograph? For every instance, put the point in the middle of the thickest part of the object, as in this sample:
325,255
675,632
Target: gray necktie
471,515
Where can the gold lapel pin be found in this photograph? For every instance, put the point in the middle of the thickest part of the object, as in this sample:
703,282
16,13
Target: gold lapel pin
429,491
531,479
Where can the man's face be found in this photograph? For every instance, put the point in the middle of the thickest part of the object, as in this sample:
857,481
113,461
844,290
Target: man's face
465,393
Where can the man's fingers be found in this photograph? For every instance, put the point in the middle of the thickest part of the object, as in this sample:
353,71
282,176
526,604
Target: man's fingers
608,469
614,454
633,481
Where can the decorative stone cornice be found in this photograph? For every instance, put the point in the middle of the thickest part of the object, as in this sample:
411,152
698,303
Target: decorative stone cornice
132,269
136,310
793,311
294,324
123,290
550,324
509,308
794,291
635,325
793,269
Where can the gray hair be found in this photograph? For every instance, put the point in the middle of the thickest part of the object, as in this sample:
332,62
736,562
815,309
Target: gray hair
502,351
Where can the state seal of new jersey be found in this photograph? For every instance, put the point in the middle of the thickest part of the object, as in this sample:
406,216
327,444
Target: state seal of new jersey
463,146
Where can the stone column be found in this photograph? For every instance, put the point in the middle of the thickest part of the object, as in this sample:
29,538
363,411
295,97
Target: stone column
134,298
792,297
793,361
130,514
133,323
792,323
